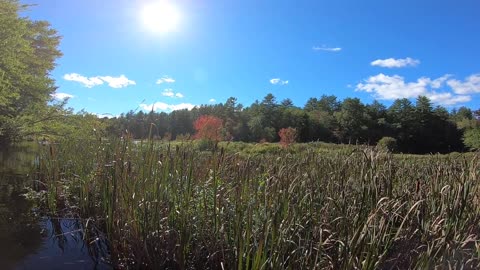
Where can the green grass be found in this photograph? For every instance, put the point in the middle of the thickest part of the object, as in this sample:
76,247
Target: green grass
245,206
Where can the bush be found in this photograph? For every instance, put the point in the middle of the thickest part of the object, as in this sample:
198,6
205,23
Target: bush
183,137
205,145
387,143
471,139
167,136
287,136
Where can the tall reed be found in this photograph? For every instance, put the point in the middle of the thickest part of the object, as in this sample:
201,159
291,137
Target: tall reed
174,207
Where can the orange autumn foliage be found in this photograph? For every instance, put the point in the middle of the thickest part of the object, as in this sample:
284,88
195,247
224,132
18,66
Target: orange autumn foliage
209,128
287,136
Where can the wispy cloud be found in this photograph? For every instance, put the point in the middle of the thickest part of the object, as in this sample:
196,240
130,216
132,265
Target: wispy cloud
327,49
395,87
396,63
169,93
212,100
89,82
161,106
165,79
278,81
61,96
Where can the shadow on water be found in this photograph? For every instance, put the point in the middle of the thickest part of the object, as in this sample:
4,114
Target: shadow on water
28,241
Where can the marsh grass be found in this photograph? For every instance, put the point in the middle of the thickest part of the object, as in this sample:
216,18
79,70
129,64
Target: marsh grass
166,206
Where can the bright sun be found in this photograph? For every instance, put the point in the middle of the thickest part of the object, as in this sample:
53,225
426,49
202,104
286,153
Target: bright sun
160,17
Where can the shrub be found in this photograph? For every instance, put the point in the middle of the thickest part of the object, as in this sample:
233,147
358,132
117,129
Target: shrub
183,137
387,143
287,136
167,136
205,145
471,138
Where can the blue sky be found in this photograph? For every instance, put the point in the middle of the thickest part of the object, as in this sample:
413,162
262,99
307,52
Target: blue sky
373,49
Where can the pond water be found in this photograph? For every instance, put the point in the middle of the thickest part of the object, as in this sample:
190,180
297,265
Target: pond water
29,240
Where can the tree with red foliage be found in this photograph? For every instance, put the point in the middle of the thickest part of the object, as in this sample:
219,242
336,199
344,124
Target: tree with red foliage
287,136
209,128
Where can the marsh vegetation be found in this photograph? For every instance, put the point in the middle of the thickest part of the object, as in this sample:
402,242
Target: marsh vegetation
171,206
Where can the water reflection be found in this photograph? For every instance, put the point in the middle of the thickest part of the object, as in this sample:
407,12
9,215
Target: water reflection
28,241
19,229
63,247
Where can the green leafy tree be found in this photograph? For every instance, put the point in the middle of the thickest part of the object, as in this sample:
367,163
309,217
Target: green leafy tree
401,116
28,51
377,125
263,119
471,138
321,122
321,126
325,103
352,121
234,122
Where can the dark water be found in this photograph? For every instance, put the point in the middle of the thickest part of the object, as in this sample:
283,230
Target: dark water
28,240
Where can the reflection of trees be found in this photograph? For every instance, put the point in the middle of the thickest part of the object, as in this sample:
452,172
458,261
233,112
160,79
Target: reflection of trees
71,234
22,234
19,229
18,159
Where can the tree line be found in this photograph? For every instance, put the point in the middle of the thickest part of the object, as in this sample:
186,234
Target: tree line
418,127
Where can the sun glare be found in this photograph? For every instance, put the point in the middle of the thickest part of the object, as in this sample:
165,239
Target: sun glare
160,17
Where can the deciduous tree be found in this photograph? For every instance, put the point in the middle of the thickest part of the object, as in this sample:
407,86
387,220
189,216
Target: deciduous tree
28,50
209,128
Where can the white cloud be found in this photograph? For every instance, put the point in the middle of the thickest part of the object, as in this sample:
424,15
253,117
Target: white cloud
395,63
161,106
278,81
89,82
437,83
395,87
169,93
212,100
392,87
165,79
117,82
448,99
61,96
469,86
327,49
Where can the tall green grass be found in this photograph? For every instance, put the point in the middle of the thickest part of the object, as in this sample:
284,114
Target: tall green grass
174,207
